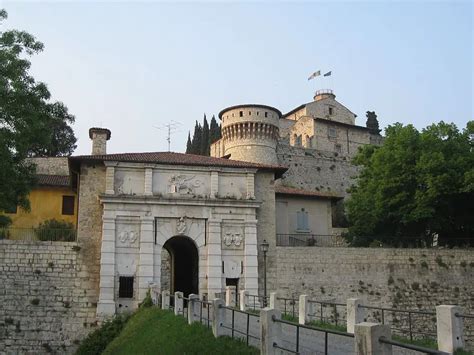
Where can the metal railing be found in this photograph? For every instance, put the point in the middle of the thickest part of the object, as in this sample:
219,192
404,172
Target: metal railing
256,302
414,242
234,330
317,329
397,323
290,306
204,312
420,349
36,234
310,240
334,317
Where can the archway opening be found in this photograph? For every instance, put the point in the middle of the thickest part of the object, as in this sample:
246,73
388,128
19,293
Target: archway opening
183,265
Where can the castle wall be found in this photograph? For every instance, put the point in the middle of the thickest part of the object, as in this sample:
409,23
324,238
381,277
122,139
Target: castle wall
321,109
395,278
315,170
43,306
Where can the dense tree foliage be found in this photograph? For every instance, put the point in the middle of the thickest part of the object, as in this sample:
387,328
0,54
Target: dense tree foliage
203,136
418,186
30,123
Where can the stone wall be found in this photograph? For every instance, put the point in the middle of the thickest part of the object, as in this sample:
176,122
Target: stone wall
51,166
43,307
395,278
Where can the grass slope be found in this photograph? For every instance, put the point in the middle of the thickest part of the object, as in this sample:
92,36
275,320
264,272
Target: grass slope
154,331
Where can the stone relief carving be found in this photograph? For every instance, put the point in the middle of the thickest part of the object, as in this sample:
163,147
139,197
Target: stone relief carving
183,185
128,237
128,232
181,226
233,237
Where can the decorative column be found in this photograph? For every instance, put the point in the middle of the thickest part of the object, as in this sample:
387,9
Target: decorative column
214,258
145,268
250,186
148,182
250,255
109,180
106,304
214,184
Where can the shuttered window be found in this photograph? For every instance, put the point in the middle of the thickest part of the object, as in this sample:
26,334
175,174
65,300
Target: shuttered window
302,220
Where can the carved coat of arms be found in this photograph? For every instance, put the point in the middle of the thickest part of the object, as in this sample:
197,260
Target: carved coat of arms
183,184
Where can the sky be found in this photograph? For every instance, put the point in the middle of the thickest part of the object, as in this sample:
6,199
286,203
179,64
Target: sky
134,66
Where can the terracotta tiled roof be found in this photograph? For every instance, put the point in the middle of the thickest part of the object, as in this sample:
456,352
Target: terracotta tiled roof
284,190
53,180
178,159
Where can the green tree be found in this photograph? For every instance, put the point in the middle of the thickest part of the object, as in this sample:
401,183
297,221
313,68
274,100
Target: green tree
205,137
417,186
196,142
30,123
214,131
372,123
189,144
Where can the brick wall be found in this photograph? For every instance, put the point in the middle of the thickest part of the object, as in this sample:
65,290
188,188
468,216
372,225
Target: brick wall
43,307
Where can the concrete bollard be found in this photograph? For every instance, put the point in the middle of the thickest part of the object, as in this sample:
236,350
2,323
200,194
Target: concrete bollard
178,303
230,296
355,314
270,331
273,300
367,337
244,295
449,328
193,308
304,309
154,293
218,317
165,299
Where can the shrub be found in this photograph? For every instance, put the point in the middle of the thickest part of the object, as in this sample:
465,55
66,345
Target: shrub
147,301
5,222
96,342
54,230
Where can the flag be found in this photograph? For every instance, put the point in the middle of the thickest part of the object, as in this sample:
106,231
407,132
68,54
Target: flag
315,74
327,74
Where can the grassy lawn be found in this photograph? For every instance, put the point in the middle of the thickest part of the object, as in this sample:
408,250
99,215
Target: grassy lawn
154,331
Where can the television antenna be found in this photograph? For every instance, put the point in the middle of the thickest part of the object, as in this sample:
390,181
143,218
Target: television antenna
171,127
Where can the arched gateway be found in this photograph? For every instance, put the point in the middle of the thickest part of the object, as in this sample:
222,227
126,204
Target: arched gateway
182,265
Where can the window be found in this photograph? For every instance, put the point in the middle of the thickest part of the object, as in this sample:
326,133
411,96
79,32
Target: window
302,220
331,111
68,205
266,114
332,133
338,148
241,113
126,286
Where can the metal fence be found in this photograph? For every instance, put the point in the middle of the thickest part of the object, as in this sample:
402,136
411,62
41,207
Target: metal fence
37,234
415,324
328,312
290,306
312,328
234,330
420,349
255,302
310,240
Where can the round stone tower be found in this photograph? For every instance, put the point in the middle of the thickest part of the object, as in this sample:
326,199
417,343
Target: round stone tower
250,132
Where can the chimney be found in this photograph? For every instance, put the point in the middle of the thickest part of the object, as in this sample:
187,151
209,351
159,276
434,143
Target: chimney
99,137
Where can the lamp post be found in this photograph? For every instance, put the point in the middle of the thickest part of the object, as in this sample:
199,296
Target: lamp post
264,248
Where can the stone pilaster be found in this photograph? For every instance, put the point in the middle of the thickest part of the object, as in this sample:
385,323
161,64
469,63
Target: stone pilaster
251,262
250,186
109,180
106,304
214,258
214,184
145,270
148,182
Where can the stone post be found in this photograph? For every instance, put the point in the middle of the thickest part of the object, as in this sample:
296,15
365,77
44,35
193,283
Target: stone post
106,304
230,296
244,294
192,308
218,317
165,299
367,337
273,300
214,258
304,309
355,314
270,331
154,293
449,328
178,303
146,267
250,257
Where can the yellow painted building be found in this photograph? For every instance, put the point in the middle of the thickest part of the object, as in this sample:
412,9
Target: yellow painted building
53,198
